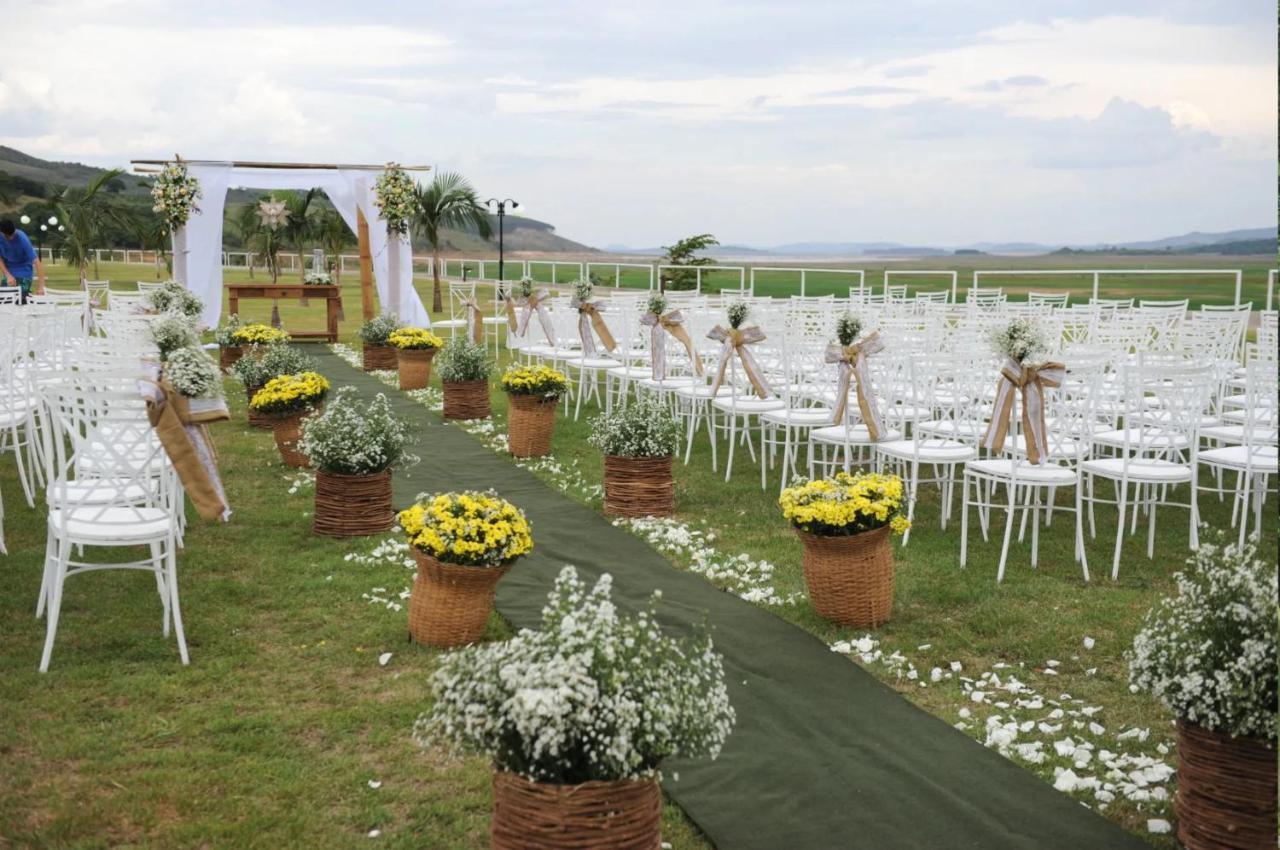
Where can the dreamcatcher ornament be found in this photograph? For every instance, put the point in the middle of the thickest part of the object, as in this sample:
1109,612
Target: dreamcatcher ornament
274,215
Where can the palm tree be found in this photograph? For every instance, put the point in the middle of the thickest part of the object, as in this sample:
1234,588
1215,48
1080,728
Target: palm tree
334,235
152,232
449,201
300,225
85,213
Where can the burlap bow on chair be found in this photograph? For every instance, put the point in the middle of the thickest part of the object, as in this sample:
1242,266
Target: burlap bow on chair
1031,380
853,367
475,319
534,304
670,323
589,318
181,425
734,339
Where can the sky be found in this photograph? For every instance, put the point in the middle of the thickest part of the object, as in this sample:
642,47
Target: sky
764,123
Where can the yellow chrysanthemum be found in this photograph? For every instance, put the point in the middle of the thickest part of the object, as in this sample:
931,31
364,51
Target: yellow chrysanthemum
469,528
288,393
258,333
414,338
535,380
846,504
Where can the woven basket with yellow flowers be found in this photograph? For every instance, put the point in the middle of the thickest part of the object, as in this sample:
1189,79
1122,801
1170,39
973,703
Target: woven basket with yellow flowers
415,349
532,393
844,524
287,400
464,543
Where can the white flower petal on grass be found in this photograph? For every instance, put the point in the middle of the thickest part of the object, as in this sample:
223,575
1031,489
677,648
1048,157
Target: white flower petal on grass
1158,826
383,659
374,833
1088,643
375,784
955,666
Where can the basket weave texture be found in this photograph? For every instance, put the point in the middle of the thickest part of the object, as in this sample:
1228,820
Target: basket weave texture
450,604
352,505
287,430
850,578
379,357
256,419
466,399
415,367
638,486
228,355
530,424
619,815
1226,790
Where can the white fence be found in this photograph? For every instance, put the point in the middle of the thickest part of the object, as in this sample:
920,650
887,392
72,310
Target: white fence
891,274
1099,274
860,274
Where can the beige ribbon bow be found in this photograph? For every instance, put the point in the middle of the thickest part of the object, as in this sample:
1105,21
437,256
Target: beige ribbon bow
589,318
737,340
475,319
181,425
671,323
853,367
1031,380
534,304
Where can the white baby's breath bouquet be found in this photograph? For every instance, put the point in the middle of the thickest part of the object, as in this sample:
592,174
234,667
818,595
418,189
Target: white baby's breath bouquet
582,290
193,373
657,304
1021,340
644,428
848,329
174,297
737,313
173,331
595,695
524,288
352,437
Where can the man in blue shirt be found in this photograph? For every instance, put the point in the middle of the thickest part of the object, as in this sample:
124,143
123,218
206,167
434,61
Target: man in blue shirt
17,258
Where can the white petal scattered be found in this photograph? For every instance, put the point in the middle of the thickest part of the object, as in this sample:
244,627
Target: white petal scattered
1158,826
1088,643
374,833
383,659
375,784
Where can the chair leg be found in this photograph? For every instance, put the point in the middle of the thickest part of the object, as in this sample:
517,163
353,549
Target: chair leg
1122,491
1080,553
1008,531
55,602
173,602
964,519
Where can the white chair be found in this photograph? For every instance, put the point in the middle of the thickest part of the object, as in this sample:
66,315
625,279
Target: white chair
1254,457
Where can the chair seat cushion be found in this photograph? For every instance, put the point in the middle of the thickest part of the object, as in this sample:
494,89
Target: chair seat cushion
748,404
1036,474
1257,458
799,416
1139,469
107,526
854,435
929,451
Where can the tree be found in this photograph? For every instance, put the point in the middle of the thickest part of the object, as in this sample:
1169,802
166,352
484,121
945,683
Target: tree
86,213
449,201
301,224
685,253
334,236
261,238
152,233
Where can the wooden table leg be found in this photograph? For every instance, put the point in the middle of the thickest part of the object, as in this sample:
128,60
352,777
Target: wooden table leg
332,316
235,303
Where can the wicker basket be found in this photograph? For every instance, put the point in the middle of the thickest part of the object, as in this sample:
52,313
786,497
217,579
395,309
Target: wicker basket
638,486
378,357
466,399
415,367
1226,790
850,578
450,604
287,429
256,419
531,421
620,815
352,505
228,355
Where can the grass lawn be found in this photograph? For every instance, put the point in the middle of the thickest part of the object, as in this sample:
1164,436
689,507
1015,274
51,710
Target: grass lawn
272,736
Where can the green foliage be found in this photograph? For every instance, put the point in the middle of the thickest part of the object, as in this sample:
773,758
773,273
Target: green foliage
262,363
448,201
376,330
848,327
87,214
685,253
644,428
352,437
464,360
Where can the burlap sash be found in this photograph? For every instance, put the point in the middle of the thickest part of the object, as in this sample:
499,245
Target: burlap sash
853,367
534,304
737,340
181,425
589,319
1031,380
671,323
475,319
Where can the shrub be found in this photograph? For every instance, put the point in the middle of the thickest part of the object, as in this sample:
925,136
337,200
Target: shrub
376,330
262,363
352,437
193,373
644,428
464,360
173,331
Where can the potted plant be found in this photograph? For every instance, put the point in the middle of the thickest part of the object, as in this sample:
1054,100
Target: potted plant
287,399
258,333
1208,653
173,331
415,349
463,544
532,393
638,442
579,717
464,374
353,446
229,349
378,353
844,524
262,363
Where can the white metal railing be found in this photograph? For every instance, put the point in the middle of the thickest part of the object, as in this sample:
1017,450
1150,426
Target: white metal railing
555,265
1098,274
861,274
1271,286
617,271
890,274
698,270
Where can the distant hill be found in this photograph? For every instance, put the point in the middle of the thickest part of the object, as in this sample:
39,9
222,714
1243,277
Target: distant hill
33,180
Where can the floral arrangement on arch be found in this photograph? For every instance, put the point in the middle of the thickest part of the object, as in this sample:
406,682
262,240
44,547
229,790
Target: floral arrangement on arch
470,528
542,381
257,333
414,339
594,695
644,428
376,330
174,194
393,193
174,297
287,394
193,373
1208,653
352,437
846,504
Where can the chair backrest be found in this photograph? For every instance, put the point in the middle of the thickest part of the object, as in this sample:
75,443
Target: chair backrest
10,295
1165,399
145,286
1057,300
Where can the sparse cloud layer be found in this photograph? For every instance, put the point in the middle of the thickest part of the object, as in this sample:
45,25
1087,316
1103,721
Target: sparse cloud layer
762,122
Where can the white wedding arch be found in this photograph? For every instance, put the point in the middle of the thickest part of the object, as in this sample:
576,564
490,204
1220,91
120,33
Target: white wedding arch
197,245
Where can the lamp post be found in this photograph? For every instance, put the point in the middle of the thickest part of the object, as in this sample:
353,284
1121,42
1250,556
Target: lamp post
502,214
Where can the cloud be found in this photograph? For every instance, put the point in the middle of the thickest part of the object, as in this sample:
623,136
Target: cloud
1124,134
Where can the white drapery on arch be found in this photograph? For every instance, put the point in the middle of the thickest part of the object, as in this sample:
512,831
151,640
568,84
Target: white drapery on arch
198,245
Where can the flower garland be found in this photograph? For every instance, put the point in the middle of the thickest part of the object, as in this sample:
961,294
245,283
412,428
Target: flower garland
394,197
174,194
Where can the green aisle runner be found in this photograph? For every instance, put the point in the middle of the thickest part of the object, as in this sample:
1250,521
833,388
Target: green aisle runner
823,755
